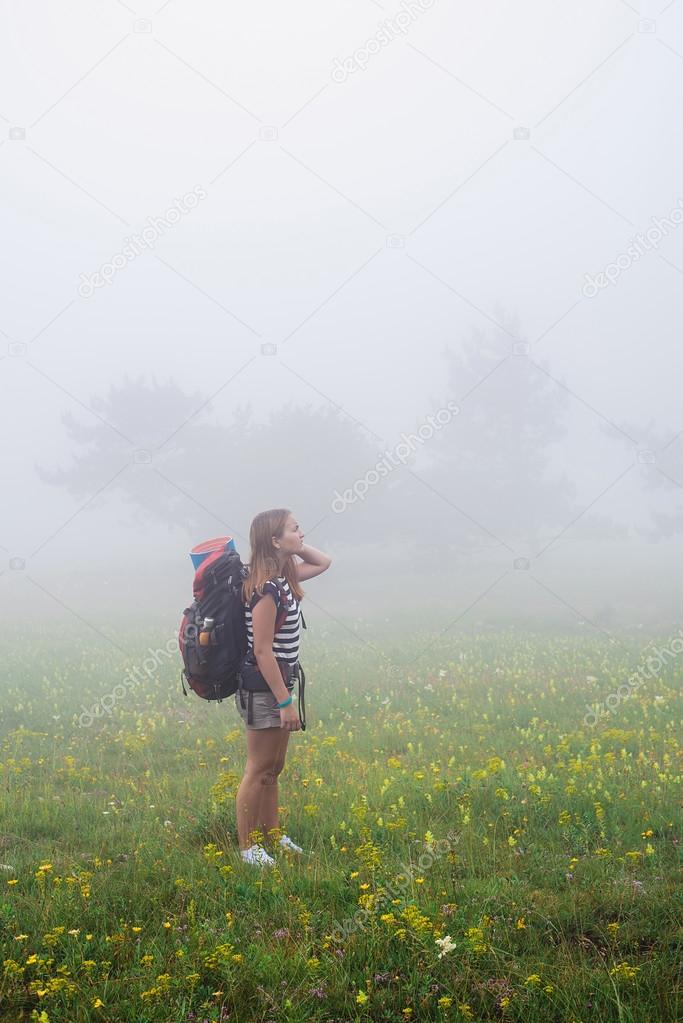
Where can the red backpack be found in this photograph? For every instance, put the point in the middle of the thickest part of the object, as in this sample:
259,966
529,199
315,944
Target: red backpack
213,633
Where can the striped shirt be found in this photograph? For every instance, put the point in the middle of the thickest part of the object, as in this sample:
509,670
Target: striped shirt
286,641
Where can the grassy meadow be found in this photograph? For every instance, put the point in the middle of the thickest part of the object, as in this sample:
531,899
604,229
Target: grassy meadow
477,849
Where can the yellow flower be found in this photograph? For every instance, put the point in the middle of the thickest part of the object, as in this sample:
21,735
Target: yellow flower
465,1009
445,1002
13,880
136,930
521,926
623,971
361,998
97,1003
533,978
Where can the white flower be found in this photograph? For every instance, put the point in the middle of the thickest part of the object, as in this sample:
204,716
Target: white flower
447,945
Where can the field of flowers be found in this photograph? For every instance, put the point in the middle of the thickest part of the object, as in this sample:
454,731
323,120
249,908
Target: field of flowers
478,847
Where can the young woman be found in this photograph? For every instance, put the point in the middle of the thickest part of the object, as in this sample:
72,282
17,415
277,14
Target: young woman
275,538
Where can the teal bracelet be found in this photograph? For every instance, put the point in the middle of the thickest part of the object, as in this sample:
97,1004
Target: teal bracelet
286,703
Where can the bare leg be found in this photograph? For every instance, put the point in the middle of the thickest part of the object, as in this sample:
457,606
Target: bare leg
270,796
260,774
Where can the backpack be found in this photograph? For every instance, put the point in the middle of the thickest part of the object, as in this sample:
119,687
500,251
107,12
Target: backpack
212,656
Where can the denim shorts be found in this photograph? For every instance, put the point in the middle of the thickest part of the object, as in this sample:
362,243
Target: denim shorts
264,709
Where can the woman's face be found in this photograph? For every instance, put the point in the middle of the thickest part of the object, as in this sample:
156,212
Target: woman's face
292,538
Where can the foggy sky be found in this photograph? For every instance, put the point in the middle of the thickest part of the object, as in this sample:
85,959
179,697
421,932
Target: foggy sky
458,190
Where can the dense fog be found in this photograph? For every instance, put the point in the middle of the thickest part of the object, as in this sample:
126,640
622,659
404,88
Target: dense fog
410,270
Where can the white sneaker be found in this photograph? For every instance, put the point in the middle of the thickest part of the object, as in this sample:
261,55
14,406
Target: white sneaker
287,843
256,854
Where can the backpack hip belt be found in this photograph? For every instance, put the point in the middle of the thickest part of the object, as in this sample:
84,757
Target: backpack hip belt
250,681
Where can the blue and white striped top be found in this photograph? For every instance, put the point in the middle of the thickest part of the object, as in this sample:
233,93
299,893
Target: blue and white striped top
286,641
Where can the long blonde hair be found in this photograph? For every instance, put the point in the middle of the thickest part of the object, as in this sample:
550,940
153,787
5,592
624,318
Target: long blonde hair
263,563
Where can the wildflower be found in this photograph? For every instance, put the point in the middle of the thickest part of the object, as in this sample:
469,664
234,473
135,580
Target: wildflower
13,880
466,1010
361,998
446,945
445,1002
97,1003
532,979
624,971
521,926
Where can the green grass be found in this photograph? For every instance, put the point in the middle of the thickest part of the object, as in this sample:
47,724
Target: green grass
560,884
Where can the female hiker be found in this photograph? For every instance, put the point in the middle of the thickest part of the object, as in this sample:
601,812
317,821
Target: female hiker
271,592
